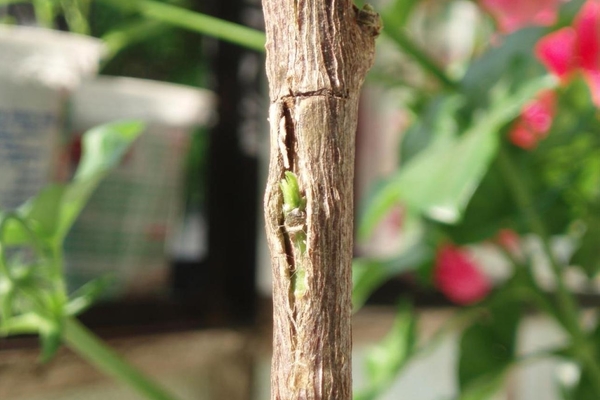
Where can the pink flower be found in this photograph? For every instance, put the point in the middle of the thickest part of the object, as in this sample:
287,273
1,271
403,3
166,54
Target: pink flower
512,15
575,49
534,122
458,277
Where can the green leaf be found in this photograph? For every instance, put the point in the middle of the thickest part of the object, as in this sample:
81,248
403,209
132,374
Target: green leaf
587,255
292,198
52,212
397,12
369,274
586,388
483,388
32,294
86,295
387,358
103,148
440,181
490,209
43,211
436,124
513,60
21,324
487,349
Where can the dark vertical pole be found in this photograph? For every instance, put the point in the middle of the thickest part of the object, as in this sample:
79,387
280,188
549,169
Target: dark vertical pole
232,187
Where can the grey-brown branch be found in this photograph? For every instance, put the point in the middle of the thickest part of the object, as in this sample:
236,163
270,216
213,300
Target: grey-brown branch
318,53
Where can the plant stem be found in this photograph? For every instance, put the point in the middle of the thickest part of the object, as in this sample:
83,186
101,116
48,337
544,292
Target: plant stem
567,306
88,346
524,200
417,54
194,21
58,273
120,38
76,13
205,24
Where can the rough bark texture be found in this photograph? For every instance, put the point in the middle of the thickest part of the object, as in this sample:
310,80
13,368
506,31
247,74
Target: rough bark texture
318,53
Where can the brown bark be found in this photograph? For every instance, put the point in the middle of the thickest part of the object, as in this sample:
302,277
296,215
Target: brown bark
318,53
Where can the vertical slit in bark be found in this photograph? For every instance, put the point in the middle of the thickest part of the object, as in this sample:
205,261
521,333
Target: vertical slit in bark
290,144
290,133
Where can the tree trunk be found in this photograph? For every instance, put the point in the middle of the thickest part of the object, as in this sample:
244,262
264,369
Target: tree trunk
318,53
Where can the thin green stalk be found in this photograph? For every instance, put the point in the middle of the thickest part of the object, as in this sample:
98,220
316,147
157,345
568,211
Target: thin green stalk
45,13
538,355
58,273
568,308
88,346
410,48
194,21
76,13
205,24
524,200
120,38
532,292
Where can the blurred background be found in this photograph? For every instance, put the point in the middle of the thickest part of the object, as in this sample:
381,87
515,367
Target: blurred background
177,228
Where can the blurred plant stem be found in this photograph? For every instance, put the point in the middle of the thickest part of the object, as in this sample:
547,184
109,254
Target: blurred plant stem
567,312
194,21
138,31
76,14
419,56
89,347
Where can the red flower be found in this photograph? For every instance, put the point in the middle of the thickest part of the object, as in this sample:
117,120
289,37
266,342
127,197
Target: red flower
535,121
575,49
458,277
512,15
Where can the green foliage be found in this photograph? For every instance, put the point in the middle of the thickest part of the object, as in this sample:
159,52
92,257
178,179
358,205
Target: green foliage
52,212
437,122
397,13
132,39
586,387
85,296
369,274
192,21
487,349
440,180
461,175
512,62
388,357
32,288
587,256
